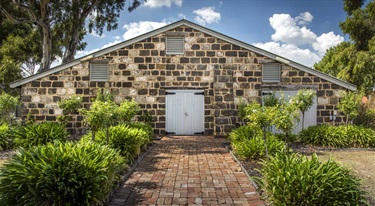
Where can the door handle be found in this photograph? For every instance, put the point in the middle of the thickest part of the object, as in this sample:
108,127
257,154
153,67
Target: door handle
186,114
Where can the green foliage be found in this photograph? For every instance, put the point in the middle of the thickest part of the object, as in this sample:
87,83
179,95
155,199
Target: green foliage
247,142
60,174
243,133
286,116
259,115
61,25
145,127
296,180
101,114
39,134
8,105
304,99
241,109
338,136
127,110
104,95
354,61
5,137
254,148
147,118
270,100
70,104
349,104
128,140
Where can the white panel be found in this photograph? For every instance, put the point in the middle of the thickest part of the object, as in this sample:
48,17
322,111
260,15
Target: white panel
184,112
310,115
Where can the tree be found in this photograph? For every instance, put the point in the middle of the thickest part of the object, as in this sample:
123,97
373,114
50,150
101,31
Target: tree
303,101
350,104
66,19
20,52
260,116
8,105
285,118
354,61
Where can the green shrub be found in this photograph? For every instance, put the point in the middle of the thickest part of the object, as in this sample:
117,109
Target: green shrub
247,142
5,137
39,134
60,174
338,136
291,137
124,138
254,148
296,180
143,126
244,133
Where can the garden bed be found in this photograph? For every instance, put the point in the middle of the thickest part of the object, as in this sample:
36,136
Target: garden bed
361,162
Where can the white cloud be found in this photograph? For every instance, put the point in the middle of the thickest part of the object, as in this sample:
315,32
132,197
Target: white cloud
181,16
117,37
137,28
287,30
290,51
293,40
304,18
325,41
207,15
161,3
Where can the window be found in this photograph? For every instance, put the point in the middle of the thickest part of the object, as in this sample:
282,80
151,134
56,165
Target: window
99,72
175,45
271,72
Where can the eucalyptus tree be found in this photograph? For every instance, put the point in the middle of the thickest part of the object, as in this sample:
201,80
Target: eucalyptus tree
65,20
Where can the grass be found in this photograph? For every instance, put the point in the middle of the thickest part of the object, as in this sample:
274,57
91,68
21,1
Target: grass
361,163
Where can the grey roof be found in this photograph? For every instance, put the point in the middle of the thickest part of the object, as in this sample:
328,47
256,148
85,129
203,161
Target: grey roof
179,23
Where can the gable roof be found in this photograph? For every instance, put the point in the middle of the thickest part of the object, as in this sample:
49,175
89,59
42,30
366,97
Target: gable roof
187,23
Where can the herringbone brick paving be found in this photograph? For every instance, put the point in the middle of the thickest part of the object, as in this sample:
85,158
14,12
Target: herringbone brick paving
187,170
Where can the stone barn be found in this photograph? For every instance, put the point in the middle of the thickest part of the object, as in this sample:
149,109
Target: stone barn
189,78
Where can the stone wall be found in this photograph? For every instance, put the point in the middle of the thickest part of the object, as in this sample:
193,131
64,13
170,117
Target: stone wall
143,71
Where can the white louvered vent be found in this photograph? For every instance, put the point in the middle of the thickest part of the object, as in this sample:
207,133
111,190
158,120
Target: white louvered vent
175,45
99,72
271,73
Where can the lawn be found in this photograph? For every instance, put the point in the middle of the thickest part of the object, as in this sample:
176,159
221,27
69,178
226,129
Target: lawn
361,163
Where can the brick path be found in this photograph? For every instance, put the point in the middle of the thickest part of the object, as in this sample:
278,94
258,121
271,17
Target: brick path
188,170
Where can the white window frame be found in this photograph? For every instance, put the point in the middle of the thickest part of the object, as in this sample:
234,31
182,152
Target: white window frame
175,39
95,75
270,77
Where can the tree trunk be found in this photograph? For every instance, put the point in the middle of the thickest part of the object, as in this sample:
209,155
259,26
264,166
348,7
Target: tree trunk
303,120
93,135
265,141
44,22
287,142
71,49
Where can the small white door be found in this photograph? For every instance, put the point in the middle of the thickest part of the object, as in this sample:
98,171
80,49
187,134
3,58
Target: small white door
184,112
310,115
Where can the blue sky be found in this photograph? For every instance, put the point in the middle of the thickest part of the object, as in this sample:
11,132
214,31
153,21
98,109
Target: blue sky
300,30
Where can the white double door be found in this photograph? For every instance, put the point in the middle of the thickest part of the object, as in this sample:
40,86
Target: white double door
185,112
